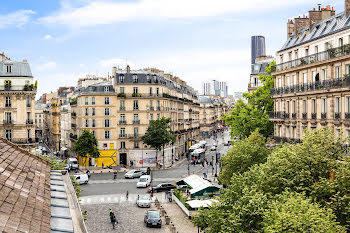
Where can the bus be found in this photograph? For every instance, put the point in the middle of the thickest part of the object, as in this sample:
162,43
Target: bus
197,156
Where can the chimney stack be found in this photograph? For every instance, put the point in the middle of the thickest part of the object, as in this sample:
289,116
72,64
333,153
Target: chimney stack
128,69
347,8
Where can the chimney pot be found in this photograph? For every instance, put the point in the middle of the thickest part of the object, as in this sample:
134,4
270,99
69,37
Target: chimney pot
319,7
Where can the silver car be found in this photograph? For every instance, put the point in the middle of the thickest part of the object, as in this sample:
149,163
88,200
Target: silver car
133,174
143,201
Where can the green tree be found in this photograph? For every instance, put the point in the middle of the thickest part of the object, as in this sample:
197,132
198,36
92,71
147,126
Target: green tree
86,145
245,118
317,168
293,212
243,155
158,135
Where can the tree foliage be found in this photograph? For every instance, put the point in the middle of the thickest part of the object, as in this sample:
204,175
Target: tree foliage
306,168
86,145
159,134
293,212
242,156
245,118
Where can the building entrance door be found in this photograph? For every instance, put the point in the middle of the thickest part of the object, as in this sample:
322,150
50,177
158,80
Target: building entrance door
123,159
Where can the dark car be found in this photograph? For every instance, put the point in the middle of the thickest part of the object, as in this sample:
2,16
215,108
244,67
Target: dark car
152,218
145,170
163,187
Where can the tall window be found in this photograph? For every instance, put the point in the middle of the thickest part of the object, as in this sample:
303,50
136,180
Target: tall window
288,81
135,79
150,91
136,132
136,117
157,91
294,80
107,100
158,105
94,133
8,117
348,104
93,123
340,42
9,69
86,123
151,116
324,105
93,100
7,101
324,75
122,145
158,116
304,106
107,123
86,100
337,72
122,117
122,132
86,111
305,77
135,90
294,107
136,144
337,105
8,134
121,78
122,90
28,116
107,134
106,111
28,134
93,113
28,98
151,103
136,104
122,105
287,107
313,106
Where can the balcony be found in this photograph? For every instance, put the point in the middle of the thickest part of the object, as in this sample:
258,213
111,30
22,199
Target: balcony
8,105
313,116
322,56
151,108
347,116
158,108
8,122
304,116
29,122
323,116
286,139
28,105
286,115
135,109
74,126
314,86
73,103
122,135
73,136
294,116
337,116
122,108
122,122
74,114
137,122
22,140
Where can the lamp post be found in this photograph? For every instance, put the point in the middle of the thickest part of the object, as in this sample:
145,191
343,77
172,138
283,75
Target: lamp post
142,153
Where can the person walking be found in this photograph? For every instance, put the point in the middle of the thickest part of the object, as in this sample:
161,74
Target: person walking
113,220
115,174
127,194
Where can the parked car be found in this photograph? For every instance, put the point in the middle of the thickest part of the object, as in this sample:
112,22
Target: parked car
81,178
133,174
162,187
152,218
144,181
213,148
145,170
143,201
72,164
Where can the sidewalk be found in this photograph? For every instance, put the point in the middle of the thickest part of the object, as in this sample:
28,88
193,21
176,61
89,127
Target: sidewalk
123,169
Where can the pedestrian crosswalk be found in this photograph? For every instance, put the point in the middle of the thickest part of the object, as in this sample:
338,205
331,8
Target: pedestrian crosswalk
111,181
115,198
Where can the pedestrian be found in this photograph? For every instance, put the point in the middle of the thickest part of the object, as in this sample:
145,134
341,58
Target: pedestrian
127,194
113,220
115,173
151,194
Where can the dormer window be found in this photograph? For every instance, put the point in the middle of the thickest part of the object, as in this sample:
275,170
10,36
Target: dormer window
135,79
149,79
9,69
155,79
121,78
106,89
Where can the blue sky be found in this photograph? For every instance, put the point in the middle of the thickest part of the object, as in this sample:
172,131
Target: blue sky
197,40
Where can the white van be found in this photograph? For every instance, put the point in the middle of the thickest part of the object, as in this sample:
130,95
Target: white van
82,178
144,181
72,164
194,147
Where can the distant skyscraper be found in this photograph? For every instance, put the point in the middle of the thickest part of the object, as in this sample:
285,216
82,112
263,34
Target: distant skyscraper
215,88
258,47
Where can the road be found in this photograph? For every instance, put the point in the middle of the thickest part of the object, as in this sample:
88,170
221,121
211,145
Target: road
103,192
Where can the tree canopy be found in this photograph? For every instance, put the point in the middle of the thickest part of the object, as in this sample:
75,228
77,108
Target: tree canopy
242,156
159,134
245,118
318,168
86,144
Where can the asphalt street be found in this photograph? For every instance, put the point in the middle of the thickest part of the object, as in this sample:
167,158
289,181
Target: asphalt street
103,192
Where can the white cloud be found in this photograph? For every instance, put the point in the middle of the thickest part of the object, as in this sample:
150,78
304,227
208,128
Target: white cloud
103,12
47,37
17,18
46,66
